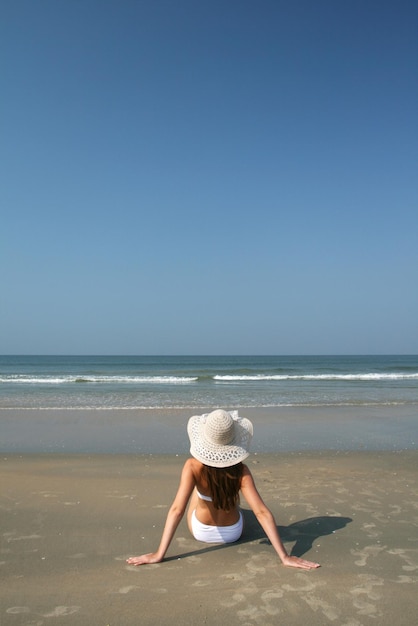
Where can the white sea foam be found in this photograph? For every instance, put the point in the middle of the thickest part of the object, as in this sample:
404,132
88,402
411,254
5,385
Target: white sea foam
192,407
344,377
60,380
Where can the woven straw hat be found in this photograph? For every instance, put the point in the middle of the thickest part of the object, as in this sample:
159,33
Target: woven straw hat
220,438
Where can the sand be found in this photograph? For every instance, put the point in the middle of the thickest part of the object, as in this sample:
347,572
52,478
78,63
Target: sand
68,522
163,431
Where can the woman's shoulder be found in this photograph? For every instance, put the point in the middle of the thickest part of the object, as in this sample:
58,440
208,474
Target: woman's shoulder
193,465
190,472
246,474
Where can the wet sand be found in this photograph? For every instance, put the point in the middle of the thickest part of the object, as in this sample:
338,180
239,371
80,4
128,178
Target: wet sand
68,522
163,431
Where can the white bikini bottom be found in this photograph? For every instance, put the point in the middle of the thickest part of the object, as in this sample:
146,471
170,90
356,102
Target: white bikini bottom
216,534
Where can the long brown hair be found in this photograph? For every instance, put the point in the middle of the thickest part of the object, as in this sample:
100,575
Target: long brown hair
224,484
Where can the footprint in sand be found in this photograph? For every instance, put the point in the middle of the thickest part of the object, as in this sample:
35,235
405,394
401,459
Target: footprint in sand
307,585
48,494
79,555
23,537
367,552
381,517
396,509
121,496
194,559
233,600
124,590
60,611
406,555
185,543
271,594
365,595
402,579
201,583
256,565
367,587
317,604
371,530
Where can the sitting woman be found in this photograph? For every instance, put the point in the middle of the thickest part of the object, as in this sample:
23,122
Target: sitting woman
212,481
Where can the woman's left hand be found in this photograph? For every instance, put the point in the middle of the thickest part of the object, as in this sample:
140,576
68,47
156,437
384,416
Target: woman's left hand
144,559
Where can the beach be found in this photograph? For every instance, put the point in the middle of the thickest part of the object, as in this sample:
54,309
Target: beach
70,520
163,431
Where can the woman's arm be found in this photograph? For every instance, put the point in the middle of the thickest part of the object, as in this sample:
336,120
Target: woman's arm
174,516
267,522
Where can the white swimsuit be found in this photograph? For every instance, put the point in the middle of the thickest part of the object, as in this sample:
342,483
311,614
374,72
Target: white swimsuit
216,534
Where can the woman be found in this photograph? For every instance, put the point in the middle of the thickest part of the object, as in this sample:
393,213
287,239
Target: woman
212,480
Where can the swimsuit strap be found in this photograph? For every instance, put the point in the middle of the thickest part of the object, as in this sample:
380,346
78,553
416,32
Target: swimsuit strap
203,497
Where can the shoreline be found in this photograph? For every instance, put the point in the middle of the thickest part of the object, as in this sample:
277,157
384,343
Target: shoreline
70,521
163,431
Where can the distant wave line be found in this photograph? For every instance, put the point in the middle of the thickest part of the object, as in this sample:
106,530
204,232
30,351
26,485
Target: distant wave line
321,377
184,380
193,407
61,380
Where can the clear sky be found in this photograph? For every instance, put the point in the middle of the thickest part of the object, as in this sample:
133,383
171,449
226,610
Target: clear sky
209,177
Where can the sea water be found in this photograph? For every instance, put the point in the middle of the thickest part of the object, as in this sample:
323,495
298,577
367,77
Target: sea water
152,382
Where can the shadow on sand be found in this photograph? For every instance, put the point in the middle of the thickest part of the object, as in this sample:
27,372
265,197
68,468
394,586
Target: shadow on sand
303,533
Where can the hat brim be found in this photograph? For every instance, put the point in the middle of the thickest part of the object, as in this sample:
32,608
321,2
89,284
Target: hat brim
214,455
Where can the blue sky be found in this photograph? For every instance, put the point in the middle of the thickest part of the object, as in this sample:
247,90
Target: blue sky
209,177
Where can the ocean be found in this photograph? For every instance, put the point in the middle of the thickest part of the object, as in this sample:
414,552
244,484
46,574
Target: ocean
177,382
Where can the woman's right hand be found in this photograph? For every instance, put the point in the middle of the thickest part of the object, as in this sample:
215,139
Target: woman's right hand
295,561
144,559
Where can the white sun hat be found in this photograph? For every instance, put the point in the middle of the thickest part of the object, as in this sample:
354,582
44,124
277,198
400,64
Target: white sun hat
220,438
